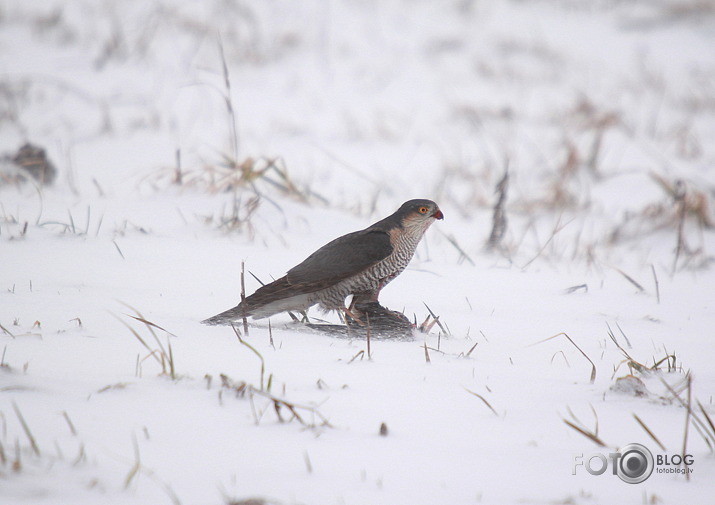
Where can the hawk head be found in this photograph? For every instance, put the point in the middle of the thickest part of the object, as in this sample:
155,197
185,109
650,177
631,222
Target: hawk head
418,213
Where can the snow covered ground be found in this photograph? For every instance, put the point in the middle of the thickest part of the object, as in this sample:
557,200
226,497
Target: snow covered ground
604,113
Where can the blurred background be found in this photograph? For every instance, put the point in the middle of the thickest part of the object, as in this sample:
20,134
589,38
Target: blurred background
602,112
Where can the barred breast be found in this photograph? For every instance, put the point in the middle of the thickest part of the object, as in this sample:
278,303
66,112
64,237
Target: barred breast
373,279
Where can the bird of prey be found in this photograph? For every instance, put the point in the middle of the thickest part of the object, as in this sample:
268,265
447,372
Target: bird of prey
359,264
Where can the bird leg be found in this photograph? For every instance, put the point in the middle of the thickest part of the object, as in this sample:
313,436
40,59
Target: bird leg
362,299
349,312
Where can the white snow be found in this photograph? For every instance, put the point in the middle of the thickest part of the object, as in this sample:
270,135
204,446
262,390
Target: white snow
364,105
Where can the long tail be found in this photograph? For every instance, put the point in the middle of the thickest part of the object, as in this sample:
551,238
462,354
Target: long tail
270,299
227,317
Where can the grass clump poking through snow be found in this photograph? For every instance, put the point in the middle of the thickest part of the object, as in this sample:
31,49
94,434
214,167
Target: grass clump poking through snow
562,334
307,415
162,354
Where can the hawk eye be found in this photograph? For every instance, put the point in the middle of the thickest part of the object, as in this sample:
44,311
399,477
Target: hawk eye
423,210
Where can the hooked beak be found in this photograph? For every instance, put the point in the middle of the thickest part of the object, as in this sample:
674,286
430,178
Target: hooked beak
438,214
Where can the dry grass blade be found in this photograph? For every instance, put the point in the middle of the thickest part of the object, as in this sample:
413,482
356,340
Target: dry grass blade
704,428
228,101
670,359
462,254
270,335
623,334
138,468
140,339
612,336
287,186
591,436
134,470
308,464
687,424
573,289
649,432
563,355
577,420
360,354
593,366
172,370
367,333
680,200
257,279
657,285
260,356
469,352
26,429
149,323
162,355
710,424
707,417
5,330
632,364
427,359
243,299
426,325
436,320
292,407
118,249
556,230
631,280
179,177
484,400
72,428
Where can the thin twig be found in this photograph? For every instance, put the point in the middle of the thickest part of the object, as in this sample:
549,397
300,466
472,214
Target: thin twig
499,220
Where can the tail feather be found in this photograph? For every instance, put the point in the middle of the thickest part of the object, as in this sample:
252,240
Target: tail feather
278,296
228,316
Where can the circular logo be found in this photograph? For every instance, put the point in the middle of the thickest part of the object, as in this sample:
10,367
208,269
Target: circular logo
635,464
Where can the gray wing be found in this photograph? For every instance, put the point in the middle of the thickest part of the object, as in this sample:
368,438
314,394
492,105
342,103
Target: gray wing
343,257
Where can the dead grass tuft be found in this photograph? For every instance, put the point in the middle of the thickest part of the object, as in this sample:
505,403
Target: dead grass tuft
307,415
229,174
563,334
162,354
579,427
